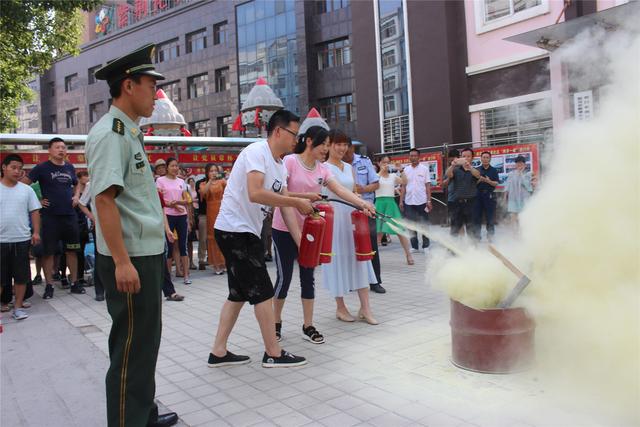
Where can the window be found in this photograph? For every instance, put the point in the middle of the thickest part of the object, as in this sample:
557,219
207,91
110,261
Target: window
172,90
95,111
388,28
389,58
198,85
91,77
54,123
223,125
200,128
334,54
524,122
324,6
338,108
493,14
197,41
222,79
168,50
52,88
389,83
71,82
389,104
396,133
496,9
220,33
72,118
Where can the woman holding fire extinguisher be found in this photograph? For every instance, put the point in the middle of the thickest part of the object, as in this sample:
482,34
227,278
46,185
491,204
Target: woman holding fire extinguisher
306,176
345,273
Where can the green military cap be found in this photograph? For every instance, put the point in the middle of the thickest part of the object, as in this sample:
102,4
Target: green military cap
140,61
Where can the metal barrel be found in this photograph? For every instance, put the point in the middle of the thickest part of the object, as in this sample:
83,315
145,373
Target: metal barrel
496,341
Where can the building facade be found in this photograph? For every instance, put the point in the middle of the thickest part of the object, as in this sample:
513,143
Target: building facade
393,74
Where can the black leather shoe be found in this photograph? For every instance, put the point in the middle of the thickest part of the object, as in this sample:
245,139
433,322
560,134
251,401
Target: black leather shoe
100,297
165,420
378,289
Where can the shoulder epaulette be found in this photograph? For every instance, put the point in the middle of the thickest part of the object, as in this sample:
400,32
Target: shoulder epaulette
118,126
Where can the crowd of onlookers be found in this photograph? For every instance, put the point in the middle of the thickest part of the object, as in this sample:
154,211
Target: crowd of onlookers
47,216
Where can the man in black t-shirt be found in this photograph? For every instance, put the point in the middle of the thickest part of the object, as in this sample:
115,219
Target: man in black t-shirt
464,178
57,179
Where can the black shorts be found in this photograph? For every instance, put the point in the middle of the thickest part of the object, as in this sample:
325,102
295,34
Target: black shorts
60,228
246,269
14,263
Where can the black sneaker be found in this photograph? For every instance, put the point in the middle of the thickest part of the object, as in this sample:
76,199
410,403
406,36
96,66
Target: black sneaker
77,288
37,280
310,333
286,360
64,284
229,359
57,276
279,331
378,289
84,283
48,292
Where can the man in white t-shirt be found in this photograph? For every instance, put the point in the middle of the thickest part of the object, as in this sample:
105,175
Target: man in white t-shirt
256,184
415,197
19,205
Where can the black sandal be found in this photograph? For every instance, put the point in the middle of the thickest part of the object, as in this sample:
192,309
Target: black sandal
279,331
310,333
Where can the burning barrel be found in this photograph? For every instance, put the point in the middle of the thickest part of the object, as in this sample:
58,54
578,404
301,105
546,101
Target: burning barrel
496,341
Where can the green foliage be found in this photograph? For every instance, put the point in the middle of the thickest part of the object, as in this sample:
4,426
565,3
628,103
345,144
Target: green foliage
33,34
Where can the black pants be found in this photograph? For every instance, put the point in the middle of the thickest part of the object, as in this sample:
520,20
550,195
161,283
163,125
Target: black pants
134,342
373,235
485,205
417,213
463,216
286,252
167,286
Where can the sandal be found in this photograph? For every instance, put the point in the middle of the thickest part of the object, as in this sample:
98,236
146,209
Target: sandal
187,281
6,307
310,333
26,304
175,297
279,331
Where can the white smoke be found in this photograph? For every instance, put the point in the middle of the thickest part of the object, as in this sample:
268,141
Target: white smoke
580,241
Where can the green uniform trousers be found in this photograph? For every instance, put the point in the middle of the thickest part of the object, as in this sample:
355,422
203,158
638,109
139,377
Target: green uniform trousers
133,342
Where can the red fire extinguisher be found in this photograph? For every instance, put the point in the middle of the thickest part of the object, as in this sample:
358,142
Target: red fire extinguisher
326,211
311,240
361,238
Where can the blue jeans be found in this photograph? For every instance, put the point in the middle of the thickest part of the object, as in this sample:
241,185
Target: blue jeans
485,205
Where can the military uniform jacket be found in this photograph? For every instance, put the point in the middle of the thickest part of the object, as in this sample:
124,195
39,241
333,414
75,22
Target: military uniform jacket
116,157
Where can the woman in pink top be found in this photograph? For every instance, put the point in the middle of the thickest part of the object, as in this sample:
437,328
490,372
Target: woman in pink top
176,199
306,175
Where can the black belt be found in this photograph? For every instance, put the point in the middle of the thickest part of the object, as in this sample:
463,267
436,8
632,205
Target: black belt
466,200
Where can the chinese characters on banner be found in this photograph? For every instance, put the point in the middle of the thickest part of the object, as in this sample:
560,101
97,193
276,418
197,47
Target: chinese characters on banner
122,14
78,159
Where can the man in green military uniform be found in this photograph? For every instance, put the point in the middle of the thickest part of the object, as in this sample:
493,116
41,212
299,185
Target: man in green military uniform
130,238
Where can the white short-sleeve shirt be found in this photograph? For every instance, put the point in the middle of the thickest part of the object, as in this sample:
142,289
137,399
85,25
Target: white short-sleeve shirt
17,203
237,213
417,178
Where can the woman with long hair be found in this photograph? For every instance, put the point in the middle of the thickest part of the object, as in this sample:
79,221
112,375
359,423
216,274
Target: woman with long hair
345,273
386,205
193,220
211,193
176,200
306,176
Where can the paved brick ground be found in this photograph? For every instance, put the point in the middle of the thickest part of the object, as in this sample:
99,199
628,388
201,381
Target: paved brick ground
394,374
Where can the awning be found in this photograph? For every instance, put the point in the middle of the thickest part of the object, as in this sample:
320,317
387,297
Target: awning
553,36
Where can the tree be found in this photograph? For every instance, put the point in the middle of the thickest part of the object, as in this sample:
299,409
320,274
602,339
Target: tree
33,34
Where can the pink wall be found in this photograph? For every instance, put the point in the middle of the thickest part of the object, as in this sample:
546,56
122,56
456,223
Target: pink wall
490,46
606,4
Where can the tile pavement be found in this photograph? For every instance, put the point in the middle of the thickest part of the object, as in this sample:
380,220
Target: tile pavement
394,374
